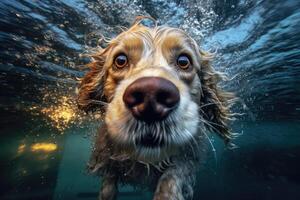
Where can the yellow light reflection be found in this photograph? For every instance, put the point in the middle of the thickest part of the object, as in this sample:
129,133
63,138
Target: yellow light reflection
45,147
61,115
21,148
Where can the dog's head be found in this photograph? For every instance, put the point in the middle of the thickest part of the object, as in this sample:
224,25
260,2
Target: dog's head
159,88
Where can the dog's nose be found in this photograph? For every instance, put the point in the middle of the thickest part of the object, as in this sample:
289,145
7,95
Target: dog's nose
151,98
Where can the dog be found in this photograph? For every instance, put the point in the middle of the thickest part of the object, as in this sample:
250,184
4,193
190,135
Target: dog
160,97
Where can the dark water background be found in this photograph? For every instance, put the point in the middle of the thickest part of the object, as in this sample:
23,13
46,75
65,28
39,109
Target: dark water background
45,141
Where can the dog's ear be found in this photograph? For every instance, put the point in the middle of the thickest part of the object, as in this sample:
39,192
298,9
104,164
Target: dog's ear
214,102
91,95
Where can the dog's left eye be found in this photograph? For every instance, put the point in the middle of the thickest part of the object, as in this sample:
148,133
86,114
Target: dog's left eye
121,61
183,62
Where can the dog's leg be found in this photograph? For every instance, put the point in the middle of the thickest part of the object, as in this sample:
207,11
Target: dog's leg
109,188
176,184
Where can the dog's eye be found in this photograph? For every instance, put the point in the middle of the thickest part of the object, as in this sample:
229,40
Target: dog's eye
121,61
183,62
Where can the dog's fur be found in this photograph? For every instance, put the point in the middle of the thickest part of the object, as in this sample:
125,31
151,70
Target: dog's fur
170,170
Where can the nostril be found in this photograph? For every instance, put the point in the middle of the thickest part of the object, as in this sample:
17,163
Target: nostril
133,98
167,98
161,97
138,97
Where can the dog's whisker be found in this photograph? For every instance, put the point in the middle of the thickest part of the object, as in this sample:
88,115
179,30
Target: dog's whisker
193,143
160,139
208,104
212,147
202,112
148,168
98,102
208,124
213,123
160,165
190,144
170,162
157,167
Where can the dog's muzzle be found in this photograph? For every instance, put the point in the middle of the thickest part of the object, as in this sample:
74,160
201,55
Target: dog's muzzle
151,99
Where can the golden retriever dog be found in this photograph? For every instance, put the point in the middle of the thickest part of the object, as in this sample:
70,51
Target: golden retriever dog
160,97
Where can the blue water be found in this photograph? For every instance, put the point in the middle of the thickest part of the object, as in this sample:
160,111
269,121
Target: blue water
45,141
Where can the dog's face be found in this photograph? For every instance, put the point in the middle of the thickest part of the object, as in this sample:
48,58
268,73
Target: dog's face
159,88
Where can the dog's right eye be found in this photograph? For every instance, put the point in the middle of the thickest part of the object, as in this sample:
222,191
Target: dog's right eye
121,61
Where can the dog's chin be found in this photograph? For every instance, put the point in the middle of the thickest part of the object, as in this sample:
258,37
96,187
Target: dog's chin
159,140
150,141
151,149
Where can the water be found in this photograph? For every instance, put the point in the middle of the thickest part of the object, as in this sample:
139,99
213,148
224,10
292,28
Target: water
46,141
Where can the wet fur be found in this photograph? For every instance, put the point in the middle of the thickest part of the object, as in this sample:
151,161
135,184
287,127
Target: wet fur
172,176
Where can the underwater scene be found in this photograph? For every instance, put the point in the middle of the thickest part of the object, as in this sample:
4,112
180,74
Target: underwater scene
46,141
